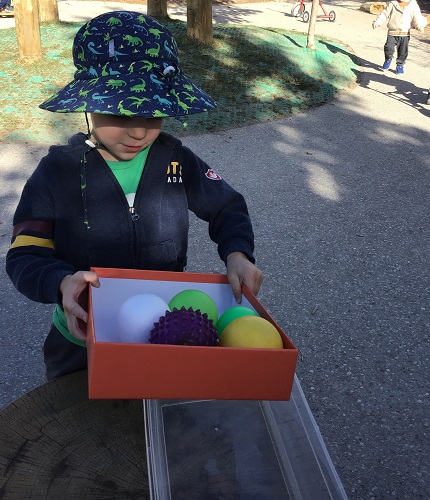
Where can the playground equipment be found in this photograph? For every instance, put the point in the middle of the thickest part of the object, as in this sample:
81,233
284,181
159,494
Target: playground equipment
299,10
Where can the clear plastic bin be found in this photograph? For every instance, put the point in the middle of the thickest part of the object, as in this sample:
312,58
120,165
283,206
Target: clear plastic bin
238,450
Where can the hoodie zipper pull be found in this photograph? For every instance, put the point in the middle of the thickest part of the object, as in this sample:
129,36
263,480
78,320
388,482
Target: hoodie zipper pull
134,216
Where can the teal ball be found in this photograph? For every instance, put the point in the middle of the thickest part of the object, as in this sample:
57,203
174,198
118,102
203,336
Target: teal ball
231,314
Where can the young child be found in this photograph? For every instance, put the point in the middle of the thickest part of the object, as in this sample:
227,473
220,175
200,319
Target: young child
119,196
6,7
401,16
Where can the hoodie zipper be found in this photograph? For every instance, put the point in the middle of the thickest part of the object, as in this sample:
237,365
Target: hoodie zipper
134,215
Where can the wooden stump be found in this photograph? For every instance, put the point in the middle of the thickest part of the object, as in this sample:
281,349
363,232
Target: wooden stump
56,443
27,25
373,7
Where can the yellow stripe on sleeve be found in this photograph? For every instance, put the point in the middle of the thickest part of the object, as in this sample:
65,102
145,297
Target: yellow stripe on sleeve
25,241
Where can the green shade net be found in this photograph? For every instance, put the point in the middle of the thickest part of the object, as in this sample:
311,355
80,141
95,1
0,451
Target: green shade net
255,75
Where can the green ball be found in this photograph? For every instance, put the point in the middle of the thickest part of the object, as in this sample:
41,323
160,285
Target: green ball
231,314
196,300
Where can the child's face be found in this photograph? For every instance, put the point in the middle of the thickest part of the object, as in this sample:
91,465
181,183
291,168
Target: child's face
123,136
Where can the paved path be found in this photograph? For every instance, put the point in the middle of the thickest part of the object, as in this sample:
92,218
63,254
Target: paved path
339,198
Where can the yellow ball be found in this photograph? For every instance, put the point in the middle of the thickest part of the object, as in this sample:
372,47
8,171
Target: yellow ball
251,332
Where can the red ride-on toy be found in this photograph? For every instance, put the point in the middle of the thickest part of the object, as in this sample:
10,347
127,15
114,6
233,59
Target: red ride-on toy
299,10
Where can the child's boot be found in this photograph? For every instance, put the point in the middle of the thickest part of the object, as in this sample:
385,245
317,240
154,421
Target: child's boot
399,69
386,64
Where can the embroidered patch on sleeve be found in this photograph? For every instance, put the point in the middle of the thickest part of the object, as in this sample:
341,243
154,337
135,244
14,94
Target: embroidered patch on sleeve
212,175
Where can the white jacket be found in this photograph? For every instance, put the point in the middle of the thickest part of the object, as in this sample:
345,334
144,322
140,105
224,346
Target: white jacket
401,20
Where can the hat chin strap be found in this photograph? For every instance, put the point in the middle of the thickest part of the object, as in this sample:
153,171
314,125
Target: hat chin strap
97,144
91,144
88,140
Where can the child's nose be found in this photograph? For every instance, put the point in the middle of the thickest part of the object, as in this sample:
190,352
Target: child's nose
137,130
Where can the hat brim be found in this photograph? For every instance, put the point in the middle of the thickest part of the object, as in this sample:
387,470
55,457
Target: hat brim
143,94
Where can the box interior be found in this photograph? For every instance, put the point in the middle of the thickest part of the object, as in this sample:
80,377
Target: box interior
113,292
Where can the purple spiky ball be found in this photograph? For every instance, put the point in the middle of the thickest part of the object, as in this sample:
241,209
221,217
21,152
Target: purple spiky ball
184,327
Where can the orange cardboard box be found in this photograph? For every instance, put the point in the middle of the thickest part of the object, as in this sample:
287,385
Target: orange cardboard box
119,370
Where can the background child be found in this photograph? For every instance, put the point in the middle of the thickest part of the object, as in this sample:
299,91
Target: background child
6,7
119,196
401,16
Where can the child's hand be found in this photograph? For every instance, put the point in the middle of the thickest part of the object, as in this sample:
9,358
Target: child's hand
241,270
72,288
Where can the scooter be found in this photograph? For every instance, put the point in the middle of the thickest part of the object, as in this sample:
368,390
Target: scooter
299,10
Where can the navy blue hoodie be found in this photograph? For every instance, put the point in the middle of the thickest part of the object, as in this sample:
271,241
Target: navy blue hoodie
73,215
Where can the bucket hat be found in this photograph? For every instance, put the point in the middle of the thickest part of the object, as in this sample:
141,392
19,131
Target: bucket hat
127,64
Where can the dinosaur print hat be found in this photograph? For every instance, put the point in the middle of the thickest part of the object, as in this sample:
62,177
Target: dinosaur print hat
127,64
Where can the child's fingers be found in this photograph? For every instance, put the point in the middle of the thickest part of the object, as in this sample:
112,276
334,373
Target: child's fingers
236,287
75,330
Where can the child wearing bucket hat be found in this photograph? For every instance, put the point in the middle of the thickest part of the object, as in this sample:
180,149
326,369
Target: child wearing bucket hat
120,194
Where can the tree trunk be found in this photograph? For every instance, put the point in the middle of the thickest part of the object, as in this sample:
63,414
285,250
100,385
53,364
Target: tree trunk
48,10
28,29
199,20
312,23
157,8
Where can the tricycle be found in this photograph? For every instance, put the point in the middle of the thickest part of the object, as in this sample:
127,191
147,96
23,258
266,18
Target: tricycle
299,10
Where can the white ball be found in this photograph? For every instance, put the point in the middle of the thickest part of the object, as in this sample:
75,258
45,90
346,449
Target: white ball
136,317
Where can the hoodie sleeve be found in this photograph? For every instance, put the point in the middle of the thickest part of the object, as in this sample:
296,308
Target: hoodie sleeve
31,261
418,21
216,202
384,15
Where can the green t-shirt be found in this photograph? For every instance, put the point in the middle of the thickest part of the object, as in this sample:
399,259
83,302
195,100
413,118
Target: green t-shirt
128,174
